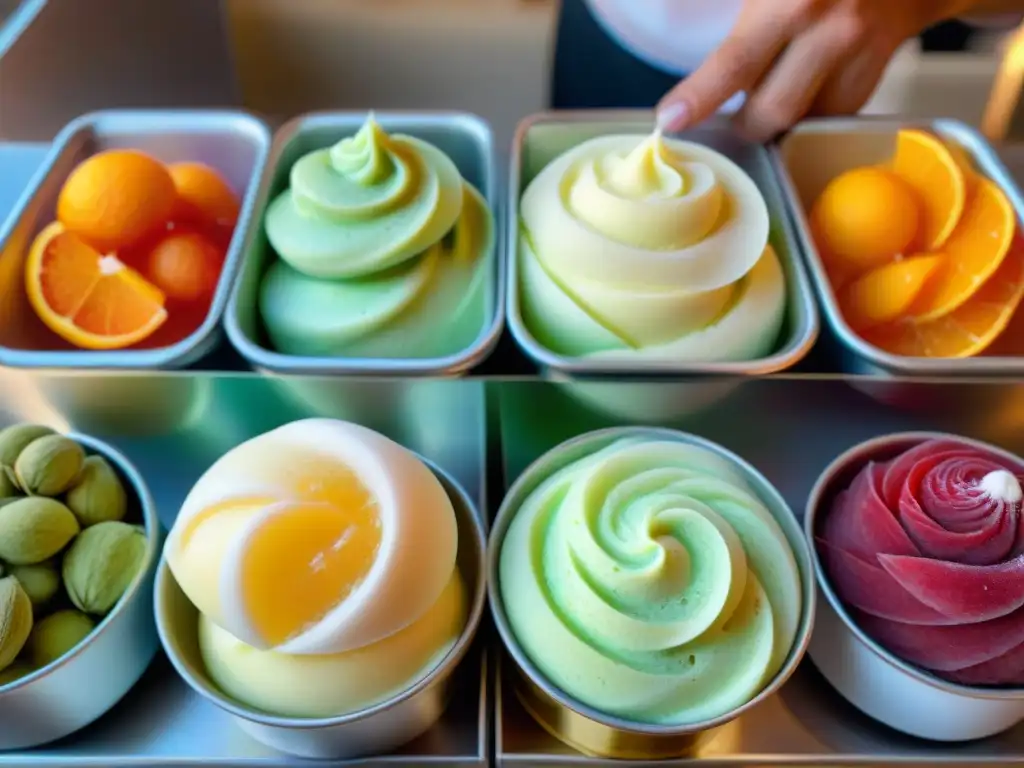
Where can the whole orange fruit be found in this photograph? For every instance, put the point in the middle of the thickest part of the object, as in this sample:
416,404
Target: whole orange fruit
185,266
204,196
116,198
865,217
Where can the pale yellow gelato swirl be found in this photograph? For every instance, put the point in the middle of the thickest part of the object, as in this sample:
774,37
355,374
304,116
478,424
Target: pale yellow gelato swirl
647,580
649,246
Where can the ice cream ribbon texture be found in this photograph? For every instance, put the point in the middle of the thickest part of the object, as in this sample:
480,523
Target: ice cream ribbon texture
318,537
650,247
384,252
647,581
927,552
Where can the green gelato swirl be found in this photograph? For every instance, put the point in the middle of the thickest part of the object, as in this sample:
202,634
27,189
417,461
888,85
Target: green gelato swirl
383,252
649,582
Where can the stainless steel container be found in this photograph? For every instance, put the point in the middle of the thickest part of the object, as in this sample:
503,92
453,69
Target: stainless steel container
871,678
582,727
374,731
78,688
466,139
541,138
234,143
817,151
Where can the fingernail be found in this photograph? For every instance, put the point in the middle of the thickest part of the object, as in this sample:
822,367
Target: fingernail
673,116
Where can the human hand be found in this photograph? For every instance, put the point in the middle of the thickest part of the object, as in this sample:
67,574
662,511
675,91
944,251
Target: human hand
799,57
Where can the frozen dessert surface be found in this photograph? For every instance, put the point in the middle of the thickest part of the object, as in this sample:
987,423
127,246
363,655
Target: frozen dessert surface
649,246
383,252
309,539
927,551
333,684
648,581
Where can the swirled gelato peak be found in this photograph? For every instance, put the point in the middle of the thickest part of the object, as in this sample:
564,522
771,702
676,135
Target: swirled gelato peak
648,581
926,550
383,252
649,246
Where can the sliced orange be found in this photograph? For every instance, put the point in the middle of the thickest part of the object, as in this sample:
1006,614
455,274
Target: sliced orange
89,299
927,165
978,246
885,293
969,329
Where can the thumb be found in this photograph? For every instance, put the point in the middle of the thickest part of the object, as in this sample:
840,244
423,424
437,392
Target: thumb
736,65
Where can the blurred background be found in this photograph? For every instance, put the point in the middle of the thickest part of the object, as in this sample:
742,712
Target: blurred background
59,58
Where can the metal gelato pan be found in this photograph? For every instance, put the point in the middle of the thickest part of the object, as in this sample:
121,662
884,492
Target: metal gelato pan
817,151
541,138
234,143
791,429
184,429
466,139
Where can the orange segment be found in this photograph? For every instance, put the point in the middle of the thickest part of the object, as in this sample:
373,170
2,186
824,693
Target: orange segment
307,559
884,294
927,165
968,330
973,253
91,300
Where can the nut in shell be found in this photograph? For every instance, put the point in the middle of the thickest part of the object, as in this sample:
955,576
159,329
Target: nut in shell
40,581
33,529
97,495
14,439
15,620
49,465
57,634
100,564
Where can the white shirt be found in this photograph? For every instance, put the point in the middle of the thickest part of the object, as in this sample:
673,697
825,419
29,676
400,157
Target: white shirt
675,36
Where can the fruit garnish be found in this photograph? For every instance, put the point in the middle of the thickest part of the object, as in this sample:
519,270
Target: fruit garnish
116,199
925,163
968,330
89,298
204,196
885,293
184,265
974,251
864,218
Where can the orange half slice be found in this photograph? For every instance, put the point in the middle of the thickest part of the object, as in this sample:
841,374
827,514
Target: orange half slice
930,168
88,298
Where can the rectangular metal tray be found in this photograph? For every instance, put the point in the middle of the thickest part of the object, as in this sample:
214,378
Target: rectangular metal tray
790,429
172,426
541,138
814,153
234,143
466,139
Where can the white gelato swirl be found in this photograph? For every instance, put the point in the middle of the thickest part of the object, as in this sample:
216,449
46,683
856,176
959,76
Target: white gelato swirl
649,246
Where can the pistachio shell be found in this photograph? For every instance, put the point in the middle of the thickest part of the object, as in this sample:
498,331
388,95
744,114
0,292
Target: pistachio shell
14,439
40,581
15,620
57,634
34,529
97,495
101,563
49,465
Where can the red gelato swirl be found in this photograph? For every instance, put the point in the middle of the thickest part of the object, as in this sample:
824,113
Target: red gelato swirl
927,552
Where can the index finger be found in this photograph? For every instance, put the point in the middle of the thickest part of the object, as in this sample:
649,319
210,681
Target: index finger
736,65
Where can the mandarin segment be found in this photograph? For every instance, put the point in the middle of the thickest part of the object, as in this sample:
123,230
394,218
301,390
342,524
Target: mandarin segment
864,218
87,298
116,199
925,163
968,330
974,252
884,294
